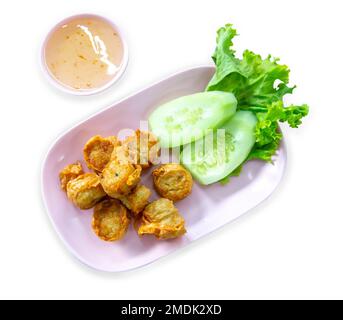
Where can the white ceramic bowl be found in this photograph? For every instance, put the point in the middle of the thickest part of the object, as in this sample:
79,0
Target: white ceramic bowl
59,85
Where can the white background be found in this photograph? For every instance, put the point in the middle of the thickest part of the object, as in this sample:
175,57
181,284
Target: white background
289,247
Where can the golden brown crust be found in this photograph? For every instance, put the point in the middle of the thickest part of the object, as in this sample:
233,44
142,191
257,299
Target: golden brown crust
143,148
70,172
162,219
137,200
110,220
173,181
98,150
85,191
120,179
121,155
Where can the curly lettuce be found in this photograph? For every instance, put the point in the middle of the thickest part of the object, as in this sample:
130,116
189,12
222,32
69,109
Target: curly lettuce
259,86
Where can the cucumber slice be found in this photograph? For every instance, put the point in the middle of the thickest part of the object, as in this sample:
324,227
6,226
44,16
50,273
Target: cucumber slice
219,153
188,118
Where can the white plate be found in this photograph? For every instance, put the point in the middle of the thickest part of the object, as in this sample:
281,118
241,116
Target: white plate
207,209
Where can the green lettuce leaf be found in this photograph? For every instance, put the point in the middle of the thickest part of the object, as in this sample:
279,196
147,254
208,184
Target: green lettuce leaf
259,86
267,132
251,78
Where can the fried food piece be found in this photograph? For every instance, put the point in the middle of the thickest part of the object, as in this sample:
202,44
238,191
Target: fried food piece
120,179
173,181
162,219
97,151
143,148
85,191
70,172
137,200
110,220
121,155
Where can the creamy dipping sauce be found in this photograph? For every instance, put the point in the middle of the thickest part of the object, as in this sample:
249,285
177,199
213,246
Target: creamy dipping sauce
84,53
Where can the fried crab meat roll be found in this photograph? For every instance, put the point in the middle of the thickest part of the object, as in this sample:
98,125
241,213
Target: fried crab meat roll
137,200
110,220
120,179
85,191
70,172
162,219
143,148
98,150
173,181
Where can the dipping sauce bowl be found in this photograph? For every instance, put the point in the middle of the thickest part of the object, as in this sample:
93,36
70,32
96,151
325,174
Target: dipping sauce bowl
84,54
